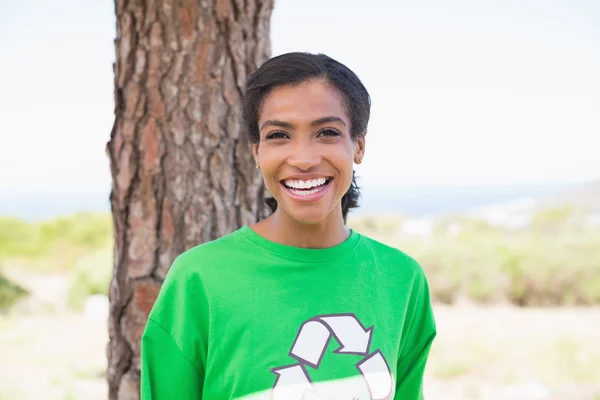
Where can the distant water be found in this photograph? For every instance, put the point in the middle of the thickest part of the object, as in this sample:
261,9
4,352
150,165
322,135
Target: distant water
435,201
39,207
417,201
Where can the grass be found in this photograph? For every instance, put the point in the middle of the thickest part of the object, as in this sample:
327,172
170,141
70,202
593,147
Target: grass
449,369
65,355
489,353
490,350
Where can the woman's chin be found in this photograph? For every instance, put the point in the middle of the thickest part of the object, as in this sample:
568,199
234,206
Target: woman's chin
309,215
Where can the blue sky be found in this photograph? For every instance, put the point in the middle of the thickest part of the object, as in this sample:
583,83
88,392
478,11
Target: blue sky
464,92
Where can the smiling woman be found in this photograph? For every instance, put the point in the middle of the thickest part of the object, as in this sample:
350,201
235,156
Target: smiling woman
298,305
306,152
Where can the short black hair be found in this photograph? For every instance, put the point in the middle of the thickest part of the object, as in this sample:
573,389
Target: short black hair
296,68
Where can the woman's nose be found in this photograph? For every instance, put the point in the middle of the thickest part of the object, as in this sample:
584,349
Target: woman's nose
304,156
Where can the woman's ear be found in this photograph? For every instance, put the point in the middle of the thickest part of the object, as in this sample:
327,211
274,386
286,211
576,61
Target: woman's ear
359,153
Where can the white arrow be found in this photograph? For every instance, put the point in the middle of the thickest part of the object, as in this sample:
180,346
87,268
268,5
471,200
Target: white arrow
377,375
352,336
291,384
310,394
311,343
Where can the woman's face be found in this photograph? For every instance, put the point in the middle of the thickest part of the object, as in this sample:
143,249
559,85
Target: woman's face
305,151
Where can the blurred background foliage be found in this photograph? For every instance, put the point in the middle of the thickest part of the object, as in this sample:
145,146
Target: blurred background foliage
539,275
553,261
10,292
79,246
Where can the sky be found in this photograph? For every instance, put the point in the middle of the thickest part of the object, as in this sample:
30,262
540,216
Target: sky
463,93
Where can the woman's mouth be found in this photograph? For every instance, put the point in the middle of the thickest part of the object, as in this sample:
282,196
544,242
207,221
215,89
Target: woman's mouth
307,189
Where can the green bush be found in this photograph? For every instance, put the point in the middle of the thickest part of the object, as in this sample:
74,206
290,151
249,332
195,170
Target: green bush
556,271
53,245
87,230
381,225
91,275
555,261
10,293
18,238
79,245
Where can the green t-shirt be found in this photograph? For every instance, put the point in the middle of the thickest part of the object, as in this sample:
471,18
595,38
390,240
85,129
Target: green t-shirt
242,317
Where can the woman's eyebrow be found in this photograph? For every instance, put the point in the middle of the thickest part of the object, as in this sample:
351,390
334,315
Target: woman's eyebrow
275,122
287,125
327,120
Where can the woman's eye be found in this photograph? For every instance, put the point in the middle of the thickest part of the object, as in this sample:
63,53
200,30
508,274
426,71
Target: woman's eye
329,132
276,135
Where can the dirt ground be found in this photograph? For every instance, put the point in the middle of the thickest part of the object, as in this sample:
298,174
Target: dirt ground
493,353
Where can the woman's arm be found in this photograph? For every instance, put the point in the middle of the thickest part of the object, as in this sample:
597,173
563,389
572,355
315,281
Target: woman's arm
174,343
166,373
417,337
409,385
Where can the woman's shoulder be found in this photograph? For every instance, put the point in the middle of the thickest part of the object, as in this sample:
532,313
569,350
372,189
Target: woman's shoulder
211,253
212,246
391,255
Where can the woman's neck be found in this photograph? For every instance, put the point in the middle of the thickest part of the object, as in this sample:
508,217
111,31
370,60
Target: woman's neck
283,229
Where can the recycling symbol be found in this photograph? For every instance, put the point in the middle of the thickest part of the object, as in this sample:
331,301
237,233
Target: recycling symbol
293,381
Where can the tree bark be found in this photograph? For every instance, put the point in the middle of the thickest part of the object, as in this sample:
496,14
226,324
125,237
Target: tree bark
182,169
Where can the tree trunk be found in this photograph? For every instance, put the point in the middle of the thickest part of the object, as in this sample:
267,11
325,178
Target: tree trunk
181,168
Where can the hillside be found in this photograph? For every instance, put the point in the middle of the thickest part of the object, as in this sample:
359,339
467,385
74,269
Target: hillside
585,197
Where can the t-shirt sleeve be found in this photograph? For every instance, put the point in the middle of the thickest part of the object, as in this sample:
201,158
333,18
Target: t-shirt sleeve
417,339
165,372
174,342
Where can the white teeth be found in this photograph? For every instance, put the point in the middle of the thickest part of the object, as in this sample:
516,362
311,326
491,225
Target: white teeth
304,192
305,184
